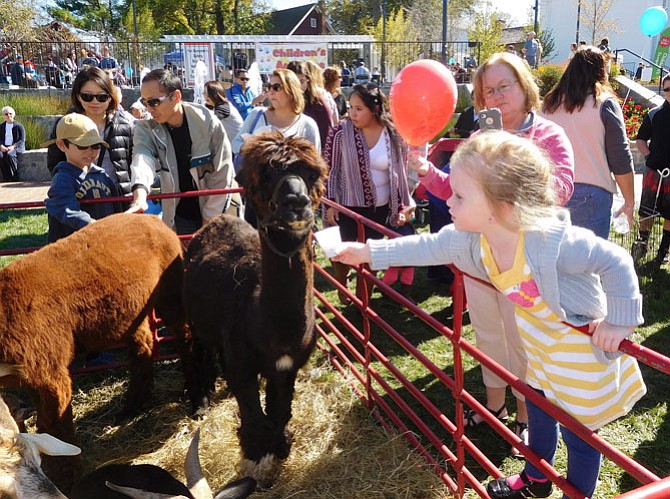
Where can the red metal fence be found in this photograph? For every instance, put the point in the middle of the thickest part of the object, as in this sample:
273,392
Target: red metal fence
400,403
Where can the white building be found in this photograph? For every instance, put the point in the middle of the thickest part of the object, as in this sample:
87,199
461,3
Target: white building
561,17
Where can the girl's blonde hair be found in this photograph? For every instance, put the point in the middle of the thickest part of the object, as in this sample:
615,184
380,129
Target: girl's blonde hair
512,171
522,73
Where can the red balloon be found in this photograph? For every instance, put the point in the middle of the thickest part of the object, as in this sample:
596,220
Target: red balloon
422,100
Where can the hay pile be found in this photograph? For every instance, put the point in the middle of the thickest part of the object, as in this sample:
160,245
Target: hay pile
339,450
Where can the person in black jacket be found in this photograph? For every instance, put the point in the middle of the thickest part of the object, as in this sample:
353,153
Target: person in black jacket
12,144
93,95
216,101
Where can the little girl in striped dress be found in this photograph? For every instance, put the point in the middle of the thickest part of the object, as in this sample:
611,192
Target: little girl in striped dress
507,230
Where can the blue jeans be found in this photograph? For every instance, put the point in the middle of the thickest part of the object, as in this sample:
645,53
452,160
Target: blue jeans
591,207
583,460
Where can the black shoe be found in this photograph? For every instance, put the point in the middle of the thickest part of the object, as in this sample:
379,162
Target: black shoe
499,489
639,251
406,291
469,416
662,257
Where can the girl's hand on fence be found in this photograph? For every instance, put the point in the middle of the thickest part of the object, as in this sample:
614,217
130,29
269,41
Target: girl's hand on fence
352,254
607,336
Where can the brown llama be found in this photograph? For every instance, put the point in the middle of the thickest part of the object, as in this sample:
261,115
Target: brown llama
249,295
89,291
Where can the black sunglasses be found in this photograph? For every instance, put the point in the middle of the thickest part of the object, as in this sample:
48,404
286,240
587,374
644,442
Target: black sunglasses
86,97
244,78
95,147
274,86
666,89
155,101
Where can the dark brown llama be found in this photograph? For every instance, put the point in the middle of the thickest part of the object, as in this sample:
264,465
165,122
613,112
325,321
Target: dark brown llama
248,295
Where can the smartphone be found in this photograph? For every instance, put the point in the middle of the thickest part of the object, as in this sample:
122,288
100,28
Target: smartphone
490,119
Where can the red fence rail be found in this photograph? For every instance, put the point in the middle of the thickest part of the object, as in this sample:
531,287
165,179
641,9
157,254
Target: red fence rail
342,342
373,390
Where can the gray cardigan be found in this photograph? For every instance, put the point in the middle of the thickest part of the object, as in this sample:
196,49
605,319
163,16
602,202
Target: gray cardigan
581,277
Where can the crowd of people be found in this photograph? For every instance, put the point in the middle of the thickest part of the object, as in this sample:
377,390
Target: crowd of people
531,205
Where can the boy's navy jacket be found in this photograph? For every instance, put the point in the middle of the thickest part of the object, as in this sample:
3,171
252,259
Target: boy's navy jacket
69,186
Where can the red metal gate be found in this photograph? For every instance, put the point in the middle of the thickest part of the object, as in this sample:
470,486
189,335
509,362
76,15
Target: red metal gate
352,350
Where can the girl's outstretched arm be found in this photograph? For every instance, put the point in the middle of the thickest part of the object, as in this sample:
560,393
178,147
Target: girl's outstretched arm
352,254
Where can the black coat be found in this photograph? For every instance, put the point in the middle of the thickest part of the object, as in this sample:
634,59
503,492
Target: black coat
18,134
119,135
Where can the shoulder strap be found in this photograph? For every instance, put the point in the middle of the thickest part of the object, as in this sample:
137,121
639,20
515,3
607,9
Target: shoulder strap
258,116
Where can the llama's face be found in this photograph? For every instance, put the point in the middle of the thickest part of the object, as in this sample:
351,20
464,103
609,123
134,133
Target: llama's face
284,178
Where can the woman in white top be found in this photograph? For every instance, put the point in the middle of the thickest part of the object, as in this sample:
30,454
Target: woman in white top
368,168
284,113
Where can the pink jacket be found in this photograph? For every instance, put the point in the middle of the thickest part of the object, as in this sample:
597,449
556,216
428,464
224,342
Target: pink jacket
546,134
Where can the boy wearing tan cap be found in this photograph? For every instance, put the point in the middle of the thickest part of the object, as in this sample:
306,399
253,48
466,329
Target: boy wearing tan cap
78,178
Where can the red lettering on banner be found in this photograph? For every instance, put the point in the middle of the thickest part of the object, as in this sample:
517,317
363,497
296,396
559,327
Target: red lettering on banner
664,41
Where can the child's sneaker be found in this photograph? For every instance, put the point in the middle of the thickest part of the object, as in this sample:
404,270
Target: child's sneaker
518,487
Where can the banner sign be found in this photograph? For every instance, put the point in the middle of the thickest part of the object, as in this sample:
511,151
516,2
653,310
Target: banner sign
271,56
661,54
195,52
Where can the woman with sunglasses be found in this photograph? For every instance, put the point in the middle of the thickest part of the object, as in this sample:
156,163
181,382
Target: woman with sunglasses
504,81
93,95
285,112
215,100
368,172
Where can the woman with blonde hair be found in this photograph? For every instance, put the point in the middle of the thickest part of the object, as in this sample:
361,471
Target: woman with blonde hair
284,114
316,105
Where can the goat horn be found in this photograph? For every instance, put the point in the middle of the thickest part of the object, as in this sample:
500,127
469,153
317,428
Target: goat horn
140,493
195,480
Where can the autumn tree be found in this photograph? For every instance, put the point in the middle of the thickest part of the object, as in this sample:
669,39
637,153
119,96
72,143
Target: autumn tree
16,19
593,17
103,16
187,17
359,17
486,29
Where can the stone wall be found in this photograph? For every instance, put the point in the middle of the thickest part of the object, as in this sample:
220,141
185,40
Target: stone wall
33,166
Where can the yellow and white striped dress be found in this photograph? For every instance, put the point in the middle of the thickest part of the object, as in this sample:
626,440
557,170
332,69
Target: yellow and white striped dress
561,361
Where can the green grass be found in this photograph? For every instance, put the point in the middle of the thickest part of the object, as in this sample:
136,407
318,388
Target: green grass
22,229
37,105
644,434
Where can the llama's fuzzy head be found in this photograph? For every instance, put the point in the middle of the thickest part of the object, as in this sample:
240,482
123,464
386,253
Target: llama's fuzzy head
284,178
